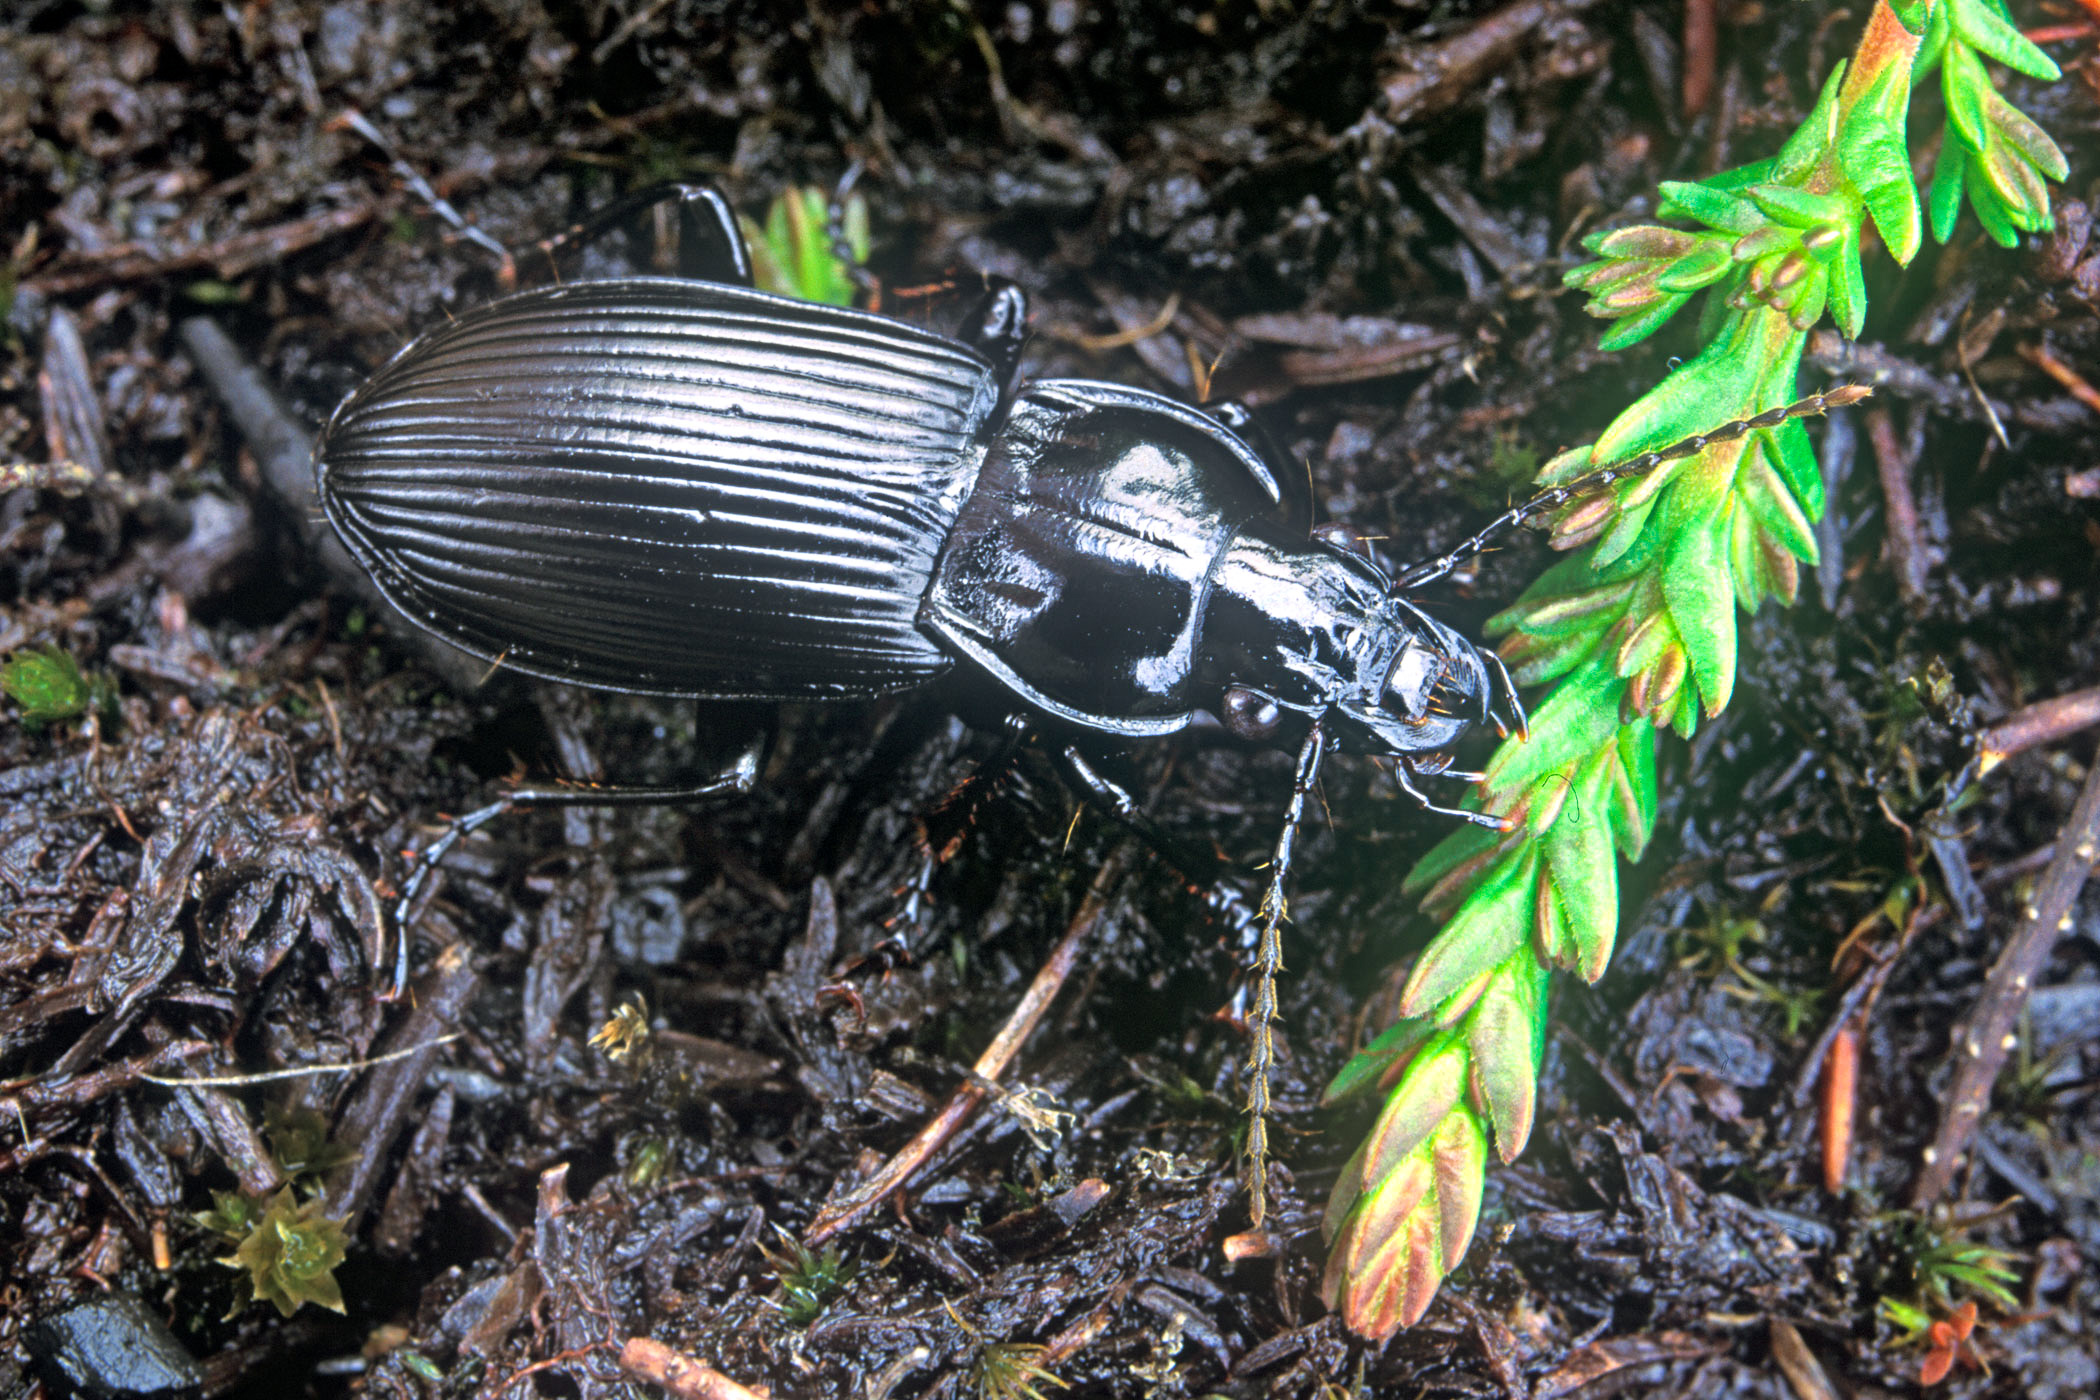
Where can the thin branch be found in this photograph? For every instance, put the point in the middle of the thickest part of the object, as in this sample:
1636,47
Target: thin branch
1983,1040
2032,726
839,1214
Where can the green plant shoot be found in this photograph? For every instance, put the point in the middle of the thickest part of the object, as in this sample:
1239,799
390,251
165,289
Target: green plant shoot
792,252
1636,630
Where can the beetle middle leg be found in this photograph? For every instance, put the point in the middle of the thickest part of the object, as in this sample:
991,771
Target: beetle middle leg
711,244
736,780
996,327
941,831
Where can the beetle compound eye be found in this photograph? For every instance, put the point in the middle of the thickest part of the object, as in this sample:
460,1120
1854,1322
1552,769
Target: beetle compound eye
1413,677
1251,714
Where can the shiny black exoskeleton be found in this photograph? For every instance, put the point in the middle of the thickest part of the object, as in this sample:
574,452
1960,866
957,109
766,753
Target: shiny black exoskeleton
681,486
686,486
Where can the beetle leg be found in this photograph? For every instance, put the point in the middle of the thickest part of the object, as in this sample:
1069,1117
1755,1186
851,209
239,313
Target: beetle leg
739,778
710,242
1268,962
1202,874
1405,776
506,265
996,327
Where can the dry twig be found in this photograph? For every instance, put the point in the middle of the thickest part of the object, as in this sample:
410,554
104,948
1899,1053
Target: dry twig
1982,1041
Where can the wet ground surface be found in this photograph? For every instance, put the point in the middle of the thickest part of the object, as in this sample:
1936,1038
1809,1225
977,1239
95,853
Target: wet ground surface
1359,216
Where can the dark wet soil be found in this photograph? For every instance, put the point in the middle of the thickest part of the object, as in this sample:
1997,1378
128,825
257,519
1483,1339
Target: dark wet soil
1365,237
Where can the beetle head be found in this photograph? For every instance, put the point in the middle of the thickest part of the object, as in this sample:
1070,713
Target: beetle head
1433,690
1320,631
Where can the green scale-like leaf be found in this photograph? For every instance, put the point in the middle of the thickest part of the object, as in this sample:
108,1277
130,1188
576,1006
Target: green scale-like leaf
1871,151
1581,872
1987,25
1633,788
1716,208
1487,928
1428,1089
1506,1033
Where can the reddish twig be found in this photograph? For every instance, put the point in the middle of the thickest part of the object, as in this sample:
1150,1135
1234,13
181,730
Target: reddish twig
2080,388
1981,1043
840,1214
2041,723
1701,38
1840,1089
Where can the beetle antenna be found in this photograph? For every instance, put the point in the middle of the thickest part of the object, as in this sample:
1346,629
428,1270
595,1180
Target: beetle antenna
507,269
1432,569
1268,962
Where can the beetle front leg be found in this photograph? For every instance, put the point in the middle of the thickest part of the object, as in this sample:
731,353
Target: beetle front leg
1268,962
1203,875
1404,774
736,780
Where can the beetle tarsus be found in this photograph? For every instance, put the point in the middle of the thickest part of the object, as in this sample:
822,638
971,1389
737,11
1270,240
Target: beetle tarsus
506,265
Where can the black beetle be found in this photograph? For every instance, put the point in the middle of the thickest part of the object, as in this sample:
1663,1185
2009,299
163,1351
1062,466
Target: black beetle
685,486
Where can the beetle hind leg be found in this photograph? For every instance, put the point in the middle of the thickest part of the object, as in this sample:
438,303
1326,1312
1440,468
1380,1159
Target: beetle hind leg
710,242
736,780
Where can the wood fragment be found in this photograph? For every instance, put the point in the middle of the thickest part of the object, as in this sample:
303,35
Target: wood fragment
1803,1372
1701,37
647,1359
1435,77
228,257
1907,551
1982,1041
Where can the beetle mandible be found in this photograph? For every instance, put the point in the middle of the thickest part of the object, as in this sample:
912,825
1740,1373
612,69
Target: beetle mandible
686,486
